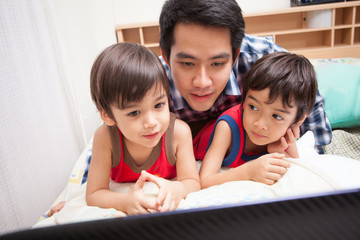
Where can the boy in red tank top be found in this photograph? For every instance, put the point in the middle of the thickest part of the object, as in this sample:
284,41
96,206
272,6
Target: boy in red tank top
140,140
252,138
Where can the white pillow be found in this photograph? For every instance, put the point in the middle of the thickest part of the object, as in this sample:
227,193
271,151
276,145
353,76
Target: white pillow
311,173
306,145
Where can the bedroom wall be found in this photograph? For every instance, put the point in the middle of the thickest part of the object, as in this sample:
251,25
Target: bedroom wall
129,12
88,26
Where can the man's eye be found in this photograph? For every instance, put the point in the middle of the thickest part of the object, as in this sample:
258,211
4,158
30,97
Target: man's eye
187,64
277,117
134,113
217,64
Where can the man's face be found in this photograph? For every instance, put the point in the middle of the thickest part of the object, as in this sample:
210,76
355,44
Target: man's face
201,62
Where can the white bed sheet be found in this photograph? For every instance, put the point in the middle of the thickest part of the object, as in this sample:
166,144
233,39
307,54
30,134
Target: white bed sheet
311,173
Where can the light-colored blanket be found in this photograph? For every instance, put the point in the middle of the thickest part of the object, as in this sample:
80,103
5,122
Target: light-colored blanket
311,173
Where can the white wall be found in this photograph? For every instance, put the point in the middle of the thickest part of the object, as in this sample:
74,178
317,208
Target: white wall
88,26
137,11
251,6
127,12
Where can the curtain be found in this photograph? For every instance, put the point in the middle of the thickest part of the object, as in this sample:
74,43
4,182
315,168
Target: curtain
41,133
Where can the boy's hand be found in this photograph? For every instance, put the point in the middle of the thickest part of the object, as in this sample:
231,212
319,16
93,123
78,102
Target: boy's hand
137,202
268,168
167,199
56,208
287,141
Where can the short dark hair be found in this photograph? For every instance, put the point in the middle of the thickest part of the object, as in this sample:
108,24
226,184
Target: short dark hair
290,75
123,73
215,13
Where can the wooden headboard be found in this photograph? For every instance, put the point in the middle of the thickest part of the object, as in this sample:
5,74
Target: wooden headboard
318,31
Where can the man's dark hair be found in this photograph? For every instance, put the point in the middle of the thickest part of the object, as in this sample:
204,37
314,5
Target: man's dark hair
214,13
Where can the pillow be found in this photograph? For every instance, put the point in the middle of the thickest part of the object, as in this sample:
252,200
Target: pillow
306,145
339,84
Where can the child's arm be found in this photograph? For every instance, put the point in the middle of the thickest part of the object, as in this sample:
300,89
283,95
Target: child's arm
187,180
287,143
186,168
97,190
266,169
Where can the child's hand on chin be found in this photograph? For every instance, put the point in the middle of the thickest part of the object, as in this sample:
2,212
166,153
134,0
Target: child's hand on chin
289,140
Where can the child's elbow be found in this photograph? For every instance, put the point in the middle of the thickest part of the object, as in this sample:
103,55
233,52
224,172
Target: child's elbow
89,198
204,183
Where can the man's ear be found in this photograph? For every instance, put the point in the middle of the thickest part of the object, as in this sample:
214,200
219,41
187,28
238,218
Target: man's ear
237,53
165,59
106,118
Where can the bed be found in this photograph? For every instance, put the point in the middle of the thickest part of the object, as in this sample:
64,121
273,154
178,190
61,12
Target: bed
312,176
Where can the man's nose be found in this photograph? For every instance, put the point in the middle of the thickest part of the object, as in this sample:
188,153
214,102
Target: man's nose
202,78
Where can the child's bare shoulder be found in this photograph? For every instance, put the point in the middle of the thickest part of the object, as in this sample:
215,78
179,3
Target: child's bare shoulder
102,135
182,130
101,131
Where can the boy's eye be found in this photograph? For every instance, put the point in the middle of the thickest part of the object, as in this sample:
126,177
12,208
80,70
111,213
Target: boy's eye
277,117
252,107
134,113
159,105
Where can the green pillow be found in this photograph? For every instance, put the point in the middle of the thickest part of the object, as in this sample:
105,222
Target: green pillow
339,84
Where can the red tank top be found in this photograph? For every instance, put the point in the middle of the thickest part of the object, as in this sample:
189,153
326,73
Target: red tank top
237,156
161,161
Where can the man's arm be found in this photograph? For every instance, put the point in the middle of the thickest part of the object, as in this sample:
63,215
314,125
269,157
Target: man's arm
319,124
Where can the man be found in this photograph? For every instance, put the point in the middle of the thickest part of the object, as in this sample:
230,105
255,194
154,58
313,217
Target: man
206,55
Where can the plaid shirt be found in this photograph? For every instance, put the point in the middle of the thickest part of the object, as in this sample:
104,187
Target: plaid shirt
252,49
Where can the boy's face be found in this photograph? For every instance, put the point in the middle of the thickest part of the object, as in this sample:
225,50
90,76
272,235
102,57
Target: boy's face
266,122
143,123
200,61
